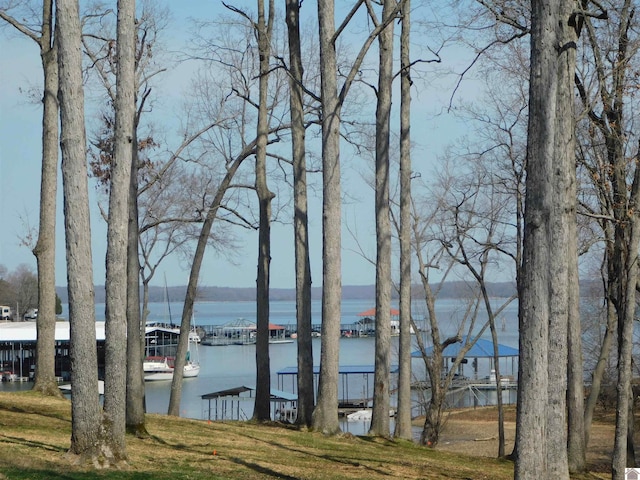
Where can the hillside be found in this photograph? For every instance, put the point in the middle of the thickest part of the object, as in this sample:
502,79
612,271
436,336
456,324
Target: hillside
349,292
36,432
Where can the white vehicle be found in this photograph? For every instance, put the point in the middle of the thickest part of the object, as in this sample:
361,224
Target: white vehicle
5,312
31,314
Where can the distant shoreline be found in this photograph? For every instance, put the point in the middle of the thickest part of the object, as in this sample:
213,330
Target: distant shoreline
349,292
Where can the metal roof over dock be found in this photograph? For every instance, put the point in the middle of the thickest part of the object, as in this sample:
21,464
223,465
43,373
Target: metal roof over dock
26,331
481,349
276,395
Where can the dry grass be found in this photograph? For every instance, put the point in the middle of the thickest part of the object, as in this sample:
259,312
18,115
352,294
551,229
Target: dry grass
476,431
35,433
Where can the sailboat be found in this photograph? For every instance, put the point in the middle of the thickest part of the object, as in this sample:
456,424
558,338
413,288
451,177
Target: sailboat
161,367
192,367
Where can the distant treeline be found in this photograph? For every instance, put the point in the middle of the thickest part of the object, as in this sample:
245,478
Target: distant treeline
349,292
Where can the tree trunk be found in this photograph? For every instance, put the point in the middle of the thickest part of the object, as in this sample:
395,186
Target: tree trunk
85,408
598,372
432,427
623,451
543,302
300,220
576,442
403,415
496,359
563,246
262,410
192,286
135,420
45,381
380,414
117,234
325,415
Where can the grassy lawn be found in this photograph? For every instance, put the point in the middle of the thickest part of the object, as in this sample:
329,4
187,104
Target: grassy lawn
35,434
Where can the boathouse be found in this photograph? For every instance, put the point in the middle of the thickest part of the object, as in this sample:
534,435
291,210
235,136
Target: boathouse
478,390
18,350
355,387
230,404
366,325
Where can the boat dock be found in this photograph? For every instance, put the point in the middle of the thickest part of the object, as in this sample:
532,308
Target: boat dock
236,334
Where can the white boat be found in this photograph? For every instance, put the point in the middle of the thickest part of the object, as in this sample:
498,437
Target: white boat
161,343
365,415
161,368
360,416
66,388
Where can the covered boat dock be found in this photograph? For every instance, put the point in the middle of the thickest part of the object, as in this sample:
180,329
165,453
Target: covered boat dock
478,391
227,404
18,350
358,378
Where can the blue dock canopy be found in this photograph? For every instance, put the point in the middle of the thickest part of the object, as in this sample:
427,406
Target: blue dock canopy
482,349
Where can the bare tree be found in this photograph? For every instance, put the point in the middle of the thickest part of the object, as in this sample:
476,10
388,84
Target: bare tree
118,232
382,380
135,392
99,41
163,211
233,64
264,28
469,225
306,394
474,235
543,331
608,142
403,415
44,250
224,150
25,290
325,415
566,358
187,312
85,409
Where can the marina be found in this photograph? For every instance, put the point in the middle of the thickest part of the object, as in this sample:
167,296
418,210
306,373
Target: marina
233,365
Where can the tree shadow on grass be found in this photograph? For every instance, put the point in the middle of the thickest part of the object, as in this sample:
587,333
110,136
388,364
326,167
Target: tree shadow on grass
343,460
31,443
260,469
63,417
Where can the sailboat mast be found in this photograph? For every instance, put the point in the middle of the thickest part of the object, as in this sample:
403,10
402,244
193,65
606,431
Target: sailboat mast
166,292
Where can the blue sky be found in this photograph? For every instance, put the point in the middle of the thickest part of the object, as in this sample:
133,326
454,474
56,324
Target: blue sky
20,178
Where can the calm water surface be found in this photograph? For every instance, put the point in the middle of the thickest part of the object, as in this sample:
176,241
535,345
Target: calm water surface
230,366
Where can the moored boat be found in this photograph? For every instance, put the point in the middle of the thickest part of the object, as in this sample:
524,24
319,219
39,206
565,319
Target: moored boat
161,368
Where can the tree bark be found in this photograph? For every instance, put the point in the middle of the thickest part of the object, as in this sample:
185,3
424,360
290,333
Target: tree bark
135,414
45,381
85,408
306,394
534,321
380,415
576,441
403,415
325,415
541,429
117,234
262,410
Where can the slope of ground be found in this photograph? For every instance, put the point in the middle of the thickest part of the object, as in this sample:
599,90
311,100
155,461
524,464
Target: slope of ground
35,434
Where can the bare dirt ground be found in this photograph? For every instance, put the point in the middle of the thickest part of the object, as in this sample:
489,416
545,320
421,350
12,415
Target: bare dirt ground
475,432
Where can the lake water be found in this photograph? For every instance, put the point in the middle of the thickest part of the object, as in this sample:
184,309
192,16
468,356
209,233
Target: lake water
231,366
